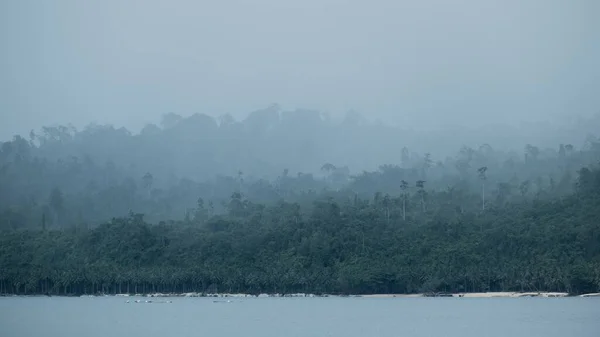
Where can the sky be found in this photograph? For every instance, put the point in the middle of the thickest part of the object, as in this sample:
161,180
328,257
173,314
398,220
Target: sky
416,64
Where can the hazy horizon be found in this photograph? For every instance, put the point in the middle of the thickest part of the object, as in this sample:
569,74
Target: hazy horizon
316,148
415,64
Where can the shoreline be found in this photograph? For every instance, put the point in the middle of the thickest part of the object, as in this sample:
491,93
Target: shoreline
501,294
302,295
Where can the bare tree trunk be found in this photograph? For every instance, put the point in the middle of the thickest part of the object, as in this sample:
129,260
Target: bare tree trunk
483,196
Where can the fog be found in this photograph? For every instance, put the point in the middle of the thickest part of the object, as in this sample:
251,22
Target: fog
414,64
165,102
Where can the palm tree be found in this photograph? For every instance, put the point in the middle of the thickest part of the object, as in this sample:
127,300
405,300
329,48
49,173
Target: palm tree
404,188
386,204
482,175
427,163
328,167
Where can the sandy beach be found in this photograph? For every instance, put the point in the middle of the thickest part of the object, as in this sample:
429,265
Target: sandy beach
392,295
458,295
499,294
512,294
505,294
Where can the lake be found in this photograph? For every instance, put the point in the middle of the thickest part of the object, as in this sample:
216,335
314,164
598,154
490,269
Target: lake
280,317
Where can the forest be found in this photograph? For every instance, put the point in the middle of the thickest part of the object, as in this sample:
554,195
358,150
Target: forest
214,206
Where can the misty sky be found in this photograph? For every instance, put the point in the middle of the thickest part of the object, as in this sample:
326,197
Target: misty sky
426,62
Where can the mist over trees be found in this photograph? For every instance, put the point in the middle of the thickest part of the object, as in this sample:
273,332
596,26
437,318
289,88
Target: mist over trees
358,246
483,173
72,177
286,202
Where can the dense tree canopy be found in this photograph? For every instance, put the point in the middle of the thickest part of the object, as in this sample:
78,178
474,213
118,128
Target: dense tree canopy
69,177
103,210
359,246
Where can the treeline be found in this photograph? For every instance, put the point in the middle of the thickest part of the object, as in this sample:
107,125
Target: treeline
64,180
385,244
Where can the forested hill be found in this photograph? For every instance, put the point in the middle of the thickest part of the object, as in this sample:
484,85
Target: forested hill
381,245
480,218
62,178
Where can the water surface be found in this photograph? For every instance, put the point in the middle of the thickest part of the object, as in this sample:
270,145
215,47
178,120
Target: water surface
280,317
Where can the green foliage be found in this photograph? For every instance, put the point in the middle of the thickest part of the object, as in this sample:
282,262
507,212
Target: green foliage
359,246
481,220
72,177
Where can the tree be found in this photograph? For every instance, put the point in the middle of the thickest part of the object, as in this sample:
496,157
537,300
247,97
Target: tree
341,248
200,214
562,152
569,149
524,187
405,158
427,163
147,181
328,167
421,190
482,171
504,191
236,205
404,188
531,153
386,202
463,162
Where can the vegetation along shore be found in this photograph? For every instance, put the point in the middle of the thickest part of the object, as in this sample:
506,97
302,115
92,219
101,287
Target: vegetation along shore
480,223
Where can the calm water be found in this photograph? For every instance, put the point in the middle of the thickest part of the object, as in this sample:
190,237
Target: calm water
280,317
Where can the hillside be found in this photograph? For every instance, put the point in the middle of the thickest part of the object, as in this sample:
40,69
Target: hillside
359,246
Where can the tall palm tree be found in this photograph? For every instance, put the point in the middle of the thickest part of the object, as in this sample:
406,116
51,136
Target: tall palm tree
404,188
482,175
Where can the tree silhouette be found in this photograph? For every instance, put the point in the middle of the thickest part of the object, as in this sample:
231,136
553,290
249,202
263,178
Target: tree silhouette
404,188
482,172
147,181
421,190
